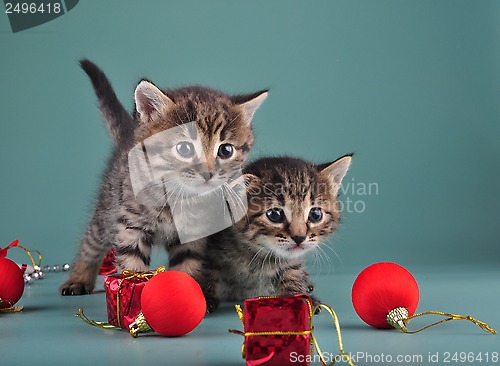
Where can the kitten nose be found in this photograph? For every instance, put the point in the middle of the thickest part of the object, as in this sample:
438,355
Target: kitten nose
206,175
298,239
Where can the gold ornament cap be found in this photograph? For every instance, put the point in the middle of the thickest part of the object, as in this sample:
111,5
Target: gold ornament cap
140,325
397,317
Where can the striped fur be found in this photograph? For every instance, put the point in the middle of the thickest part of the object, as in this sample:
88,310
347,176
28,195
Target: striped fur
130,225
258,257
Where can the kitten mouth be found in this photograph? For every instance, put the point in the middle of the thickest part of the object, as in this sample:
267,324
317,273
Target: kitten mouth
295,248
212,183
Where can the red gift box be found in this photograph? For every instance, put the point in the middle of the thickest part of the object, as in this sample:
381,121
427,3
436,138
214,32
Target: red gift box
123,296
108,266
277,330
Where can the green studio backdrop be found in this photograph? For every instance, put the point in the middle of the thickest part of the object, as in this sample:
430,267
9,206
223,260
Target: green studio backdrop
411,87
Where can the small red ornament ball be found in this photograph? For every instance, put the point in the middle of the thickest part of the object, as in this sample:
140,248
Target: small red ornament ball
11,283
382,287
172,303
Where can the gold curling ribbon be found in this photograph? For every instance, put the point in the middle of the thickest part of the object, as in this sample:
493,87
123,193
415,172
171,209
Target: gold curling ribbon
450,317
102,325
11,308
15,243
335,318
39,265
314,341
240,313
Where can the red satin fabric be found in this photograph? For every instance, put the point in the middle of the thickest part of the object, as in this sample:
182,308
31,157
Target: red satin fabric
173,303
11,279
382,287
11,283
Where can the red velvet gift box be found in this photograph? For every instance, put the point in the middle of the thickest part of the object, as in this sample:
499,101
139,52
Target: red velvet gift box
277,330
123,296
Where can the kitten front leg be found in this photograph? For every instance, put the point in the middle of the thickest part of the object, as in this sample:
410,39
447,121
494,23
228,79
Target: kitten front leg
85,270
188,257
293,280
209,281
133,250
309,284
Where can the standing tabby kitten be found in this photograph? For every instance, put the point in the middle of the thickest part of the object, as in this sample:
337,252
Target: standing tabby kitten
292,208
208,124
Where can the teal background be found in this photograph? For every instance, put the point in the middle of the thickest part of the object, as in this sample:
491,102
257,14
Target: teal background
411,87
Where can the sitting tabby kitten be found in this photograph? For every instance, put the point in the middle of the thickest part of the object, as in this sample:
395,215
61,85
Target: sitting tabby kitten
292,208
221,128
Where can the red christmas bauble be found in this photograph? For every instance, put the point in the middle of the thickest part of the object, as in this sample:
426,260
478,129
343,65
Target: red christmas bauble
172,303
11,283
383,287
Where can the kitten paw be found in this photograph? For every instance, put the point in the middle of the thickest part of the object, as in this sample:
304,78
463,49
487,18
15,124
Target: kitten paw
316,302
212,304
76,288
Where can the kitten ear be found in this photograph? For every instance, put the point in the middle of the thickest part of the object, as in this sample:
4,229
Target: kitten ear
151,102
250,103
337,170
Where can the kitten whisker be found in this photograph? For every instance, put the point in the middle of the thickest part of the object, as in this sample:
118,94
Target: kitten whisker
255,256
327,259
267,257
176,197
234,198
166,196
178,117
334,252
190,116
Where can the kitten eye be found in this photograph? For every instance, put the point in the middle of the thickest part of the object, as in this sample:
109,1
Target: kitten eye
225,151
275,214
185,149
315,214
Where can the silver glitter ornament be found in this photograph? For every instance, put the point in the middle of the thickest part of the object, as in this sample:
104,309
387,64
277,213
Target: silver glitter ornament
28,279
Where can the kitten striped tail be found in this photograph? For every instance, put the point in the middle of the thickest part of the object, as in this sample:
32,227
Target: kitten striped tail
118,121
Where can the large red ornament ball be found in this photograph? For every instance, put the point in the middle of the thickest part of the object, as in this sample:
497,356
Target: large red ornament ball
382,287
11,283
172,303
